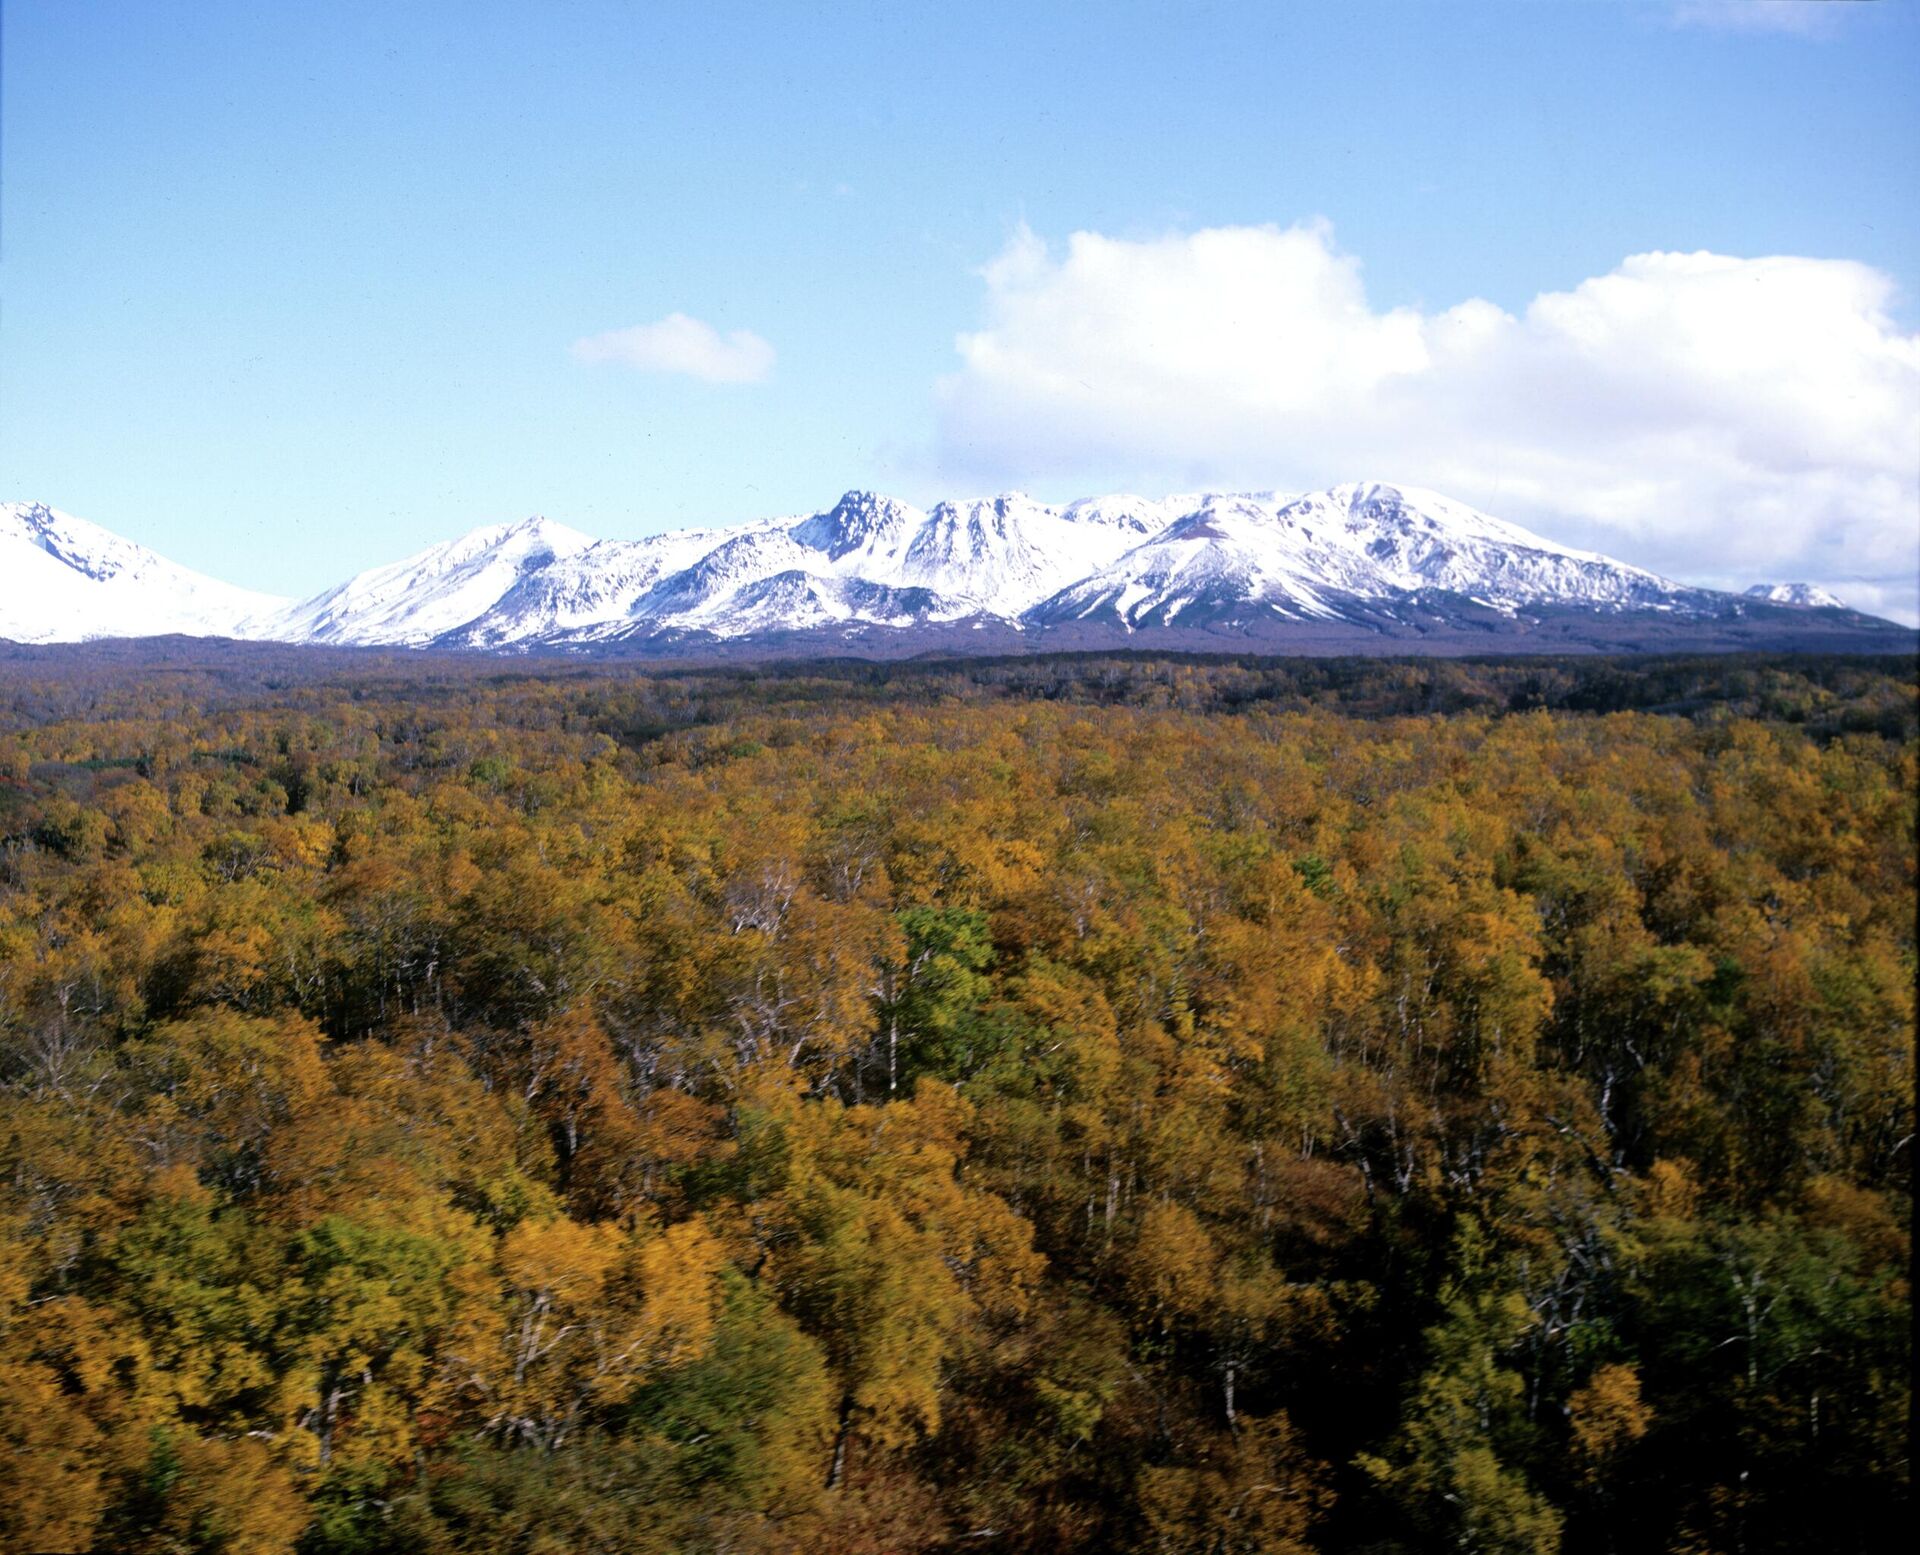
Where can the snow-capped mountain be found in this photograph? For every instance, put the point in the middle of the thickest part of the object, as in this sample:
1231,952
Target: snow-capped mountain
587,591
63,579
1342,568
1007,553
1802,596
866,561
437,591
1339,554
874,560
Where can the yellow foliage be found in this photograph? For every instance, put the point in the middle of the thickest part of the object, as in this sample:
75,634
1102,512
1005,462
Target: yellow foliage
1606,1414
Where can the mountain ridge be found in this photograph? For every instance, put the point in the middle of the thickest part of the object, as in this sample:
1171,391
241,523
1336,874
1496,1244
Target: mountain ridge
1365,562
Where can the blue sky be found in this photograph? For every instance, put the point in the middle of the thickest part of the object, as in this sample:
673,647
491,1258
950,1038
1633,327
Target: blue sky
287,291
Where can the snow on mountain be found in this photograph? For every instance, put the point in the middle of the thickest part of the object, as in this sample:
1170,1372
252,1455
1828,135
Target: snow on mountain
587,593
1362,556
871,560
868,560
860,535
1325,555
1129,515
1805,596
799,600
437,591
1004,554
1228,555
63,579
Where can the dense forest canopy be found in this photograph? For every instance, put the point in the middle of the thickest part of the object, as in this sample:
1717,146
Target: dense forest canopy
1084,1103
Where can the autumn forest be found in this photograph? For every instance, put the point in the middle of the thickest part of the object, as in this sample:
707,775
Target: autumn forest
1074,1104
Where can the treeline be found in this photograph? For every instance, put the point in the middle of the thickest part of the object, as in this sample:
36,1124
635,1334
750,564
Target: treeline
1826,695
1080,1103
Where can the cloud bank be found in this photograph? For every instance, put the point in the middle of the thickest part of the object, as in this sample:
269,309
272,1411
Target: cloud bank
679,344
1725,420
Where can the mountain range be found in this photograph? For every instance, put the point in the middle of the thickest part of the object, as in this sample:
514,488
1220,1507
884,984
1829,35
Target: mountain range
1360,567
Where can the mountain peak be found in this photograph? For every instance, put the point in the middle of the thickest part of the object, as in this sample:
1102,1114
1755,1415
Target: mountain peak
859,520
535,530
1802,596
1392,500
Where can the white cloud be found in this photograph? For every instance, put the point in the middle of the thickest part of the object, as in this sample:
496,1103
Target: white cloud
1800,18
679,344
1726,420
